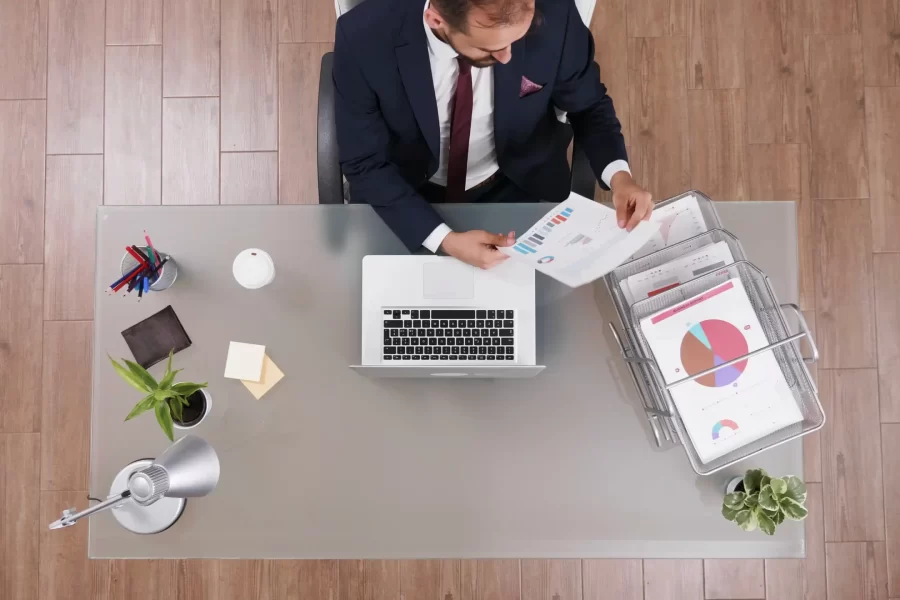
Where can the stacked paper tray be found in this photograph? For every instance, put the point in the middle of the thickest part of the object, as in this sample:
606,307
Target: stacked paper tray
666,423
654,398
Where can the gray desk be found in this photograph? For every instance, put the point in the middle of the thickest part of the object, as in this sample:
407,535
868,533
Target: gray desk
333,465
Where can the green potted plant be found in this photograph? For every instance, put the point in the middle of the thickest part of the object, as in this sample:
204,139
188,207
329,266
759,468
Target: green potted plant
182,405
757,500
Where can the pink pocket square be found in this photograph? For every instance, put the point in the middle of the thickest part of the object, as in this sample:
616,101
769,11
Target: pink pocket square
528,87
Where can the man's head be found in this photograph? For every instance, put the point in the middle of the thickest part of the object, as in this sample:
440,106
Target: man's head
481,30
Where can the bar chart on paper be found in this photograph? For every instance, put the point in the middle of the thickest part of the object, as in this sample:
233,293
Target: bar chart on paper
536,239
659,279
578,241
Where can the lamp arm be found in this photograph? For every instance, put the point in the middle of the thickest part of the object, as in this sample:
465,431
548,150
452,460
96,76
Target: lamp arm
68,519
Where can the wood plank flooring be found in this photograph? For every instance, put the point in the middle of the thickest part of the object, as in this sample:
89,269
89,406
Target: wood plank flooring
74,191
249,73
725,579
23,49
190,137
133,139
75,77
23,131
21,344
775,72
191,51
65,405
134,22
213,101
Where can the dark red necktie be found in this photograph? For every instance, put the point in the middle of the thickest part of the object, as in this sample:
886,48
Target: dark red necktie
460,126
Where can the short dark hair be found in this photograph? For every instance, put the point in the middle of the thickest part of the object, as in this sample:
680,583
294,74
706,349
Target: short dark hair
500,12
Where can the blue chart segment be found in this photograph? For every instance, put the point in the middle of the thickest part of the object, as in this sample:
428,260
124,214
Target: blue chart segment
712,343
697,331
534,241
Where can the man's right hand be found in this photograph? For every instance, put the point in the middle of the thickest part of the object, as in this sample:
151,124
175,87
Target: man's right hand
477,247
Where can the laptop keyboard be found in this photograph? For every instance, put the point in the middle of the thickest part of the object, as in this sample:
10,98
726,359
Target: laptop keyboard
437,334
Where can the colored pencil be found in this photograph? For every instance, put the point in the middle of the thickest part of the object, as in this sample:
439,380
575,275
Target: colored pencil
121,283
148,268
136,256
141,253
155,270
149,243
125,277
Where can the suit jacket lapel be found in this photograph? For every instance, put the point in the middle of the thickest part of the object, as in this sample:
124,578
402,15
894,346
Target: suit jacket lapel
507,82
415,71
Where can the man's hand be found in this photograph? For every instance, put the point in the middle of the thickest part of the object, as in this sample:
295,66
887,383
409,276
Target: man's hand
477,248
633,203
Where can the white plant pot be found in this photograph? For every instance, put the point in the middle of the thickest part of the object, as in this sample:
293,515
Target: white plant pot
203,417
732,483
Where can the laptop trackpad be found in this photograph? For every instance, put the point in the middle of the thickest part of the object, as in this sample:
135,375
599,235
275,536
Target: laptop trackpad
448,280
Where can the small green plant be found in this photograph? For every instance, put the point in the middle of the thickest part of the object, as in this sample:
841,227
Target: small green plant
765,502
164,397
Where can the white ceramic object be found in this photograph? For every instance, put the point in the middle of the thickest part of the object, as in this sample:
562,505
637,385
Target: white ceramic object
733,483
205,414
253,268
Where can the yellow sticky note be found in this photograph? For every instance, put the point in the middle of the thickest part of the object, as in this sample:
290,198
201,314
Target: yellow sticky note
271,375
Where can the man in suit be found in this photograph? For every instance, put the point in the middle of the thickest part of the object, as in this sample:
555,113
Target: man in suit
454,101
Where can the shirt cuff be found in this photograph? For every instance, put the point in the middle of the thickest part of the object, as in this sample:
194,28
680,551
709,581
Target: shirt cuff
613,168
433,241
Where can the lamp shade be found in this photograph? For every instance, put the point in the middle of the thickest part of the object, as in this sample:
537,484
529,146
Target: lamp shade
189,468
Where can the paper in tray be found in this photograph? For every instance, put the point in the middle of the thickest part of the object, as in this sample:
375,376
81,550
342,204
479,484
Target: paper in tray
737,404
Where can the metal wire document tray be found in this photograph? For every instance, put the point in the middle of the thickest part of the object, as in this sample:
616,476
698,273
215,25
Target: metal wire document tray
665,421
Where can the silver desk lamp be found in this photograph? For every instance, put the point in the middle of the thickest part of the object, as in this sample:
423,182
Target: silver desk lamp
148,496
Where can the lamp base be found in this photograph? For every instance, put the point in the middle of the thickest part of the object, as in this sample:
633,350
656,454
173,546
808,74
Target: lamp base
155,518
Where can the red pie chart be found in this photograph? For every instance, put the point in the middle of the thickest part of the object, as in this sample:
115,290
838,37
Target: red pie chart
710,343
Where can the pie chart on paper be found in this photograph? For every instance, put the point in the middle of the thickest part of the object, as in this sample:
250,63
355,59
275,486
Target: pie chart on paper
710,343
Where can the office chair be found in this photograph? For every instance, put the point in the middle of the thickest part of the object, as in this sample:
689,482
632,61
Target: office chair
331,180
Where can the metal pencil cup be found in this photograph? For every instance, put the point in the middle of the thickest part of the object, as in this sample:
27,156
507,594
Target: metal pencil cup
167,274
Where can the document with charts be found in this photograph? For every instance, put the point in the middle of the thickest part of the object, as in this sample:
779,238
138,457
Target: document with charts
737,404
578,242
667,276
678,221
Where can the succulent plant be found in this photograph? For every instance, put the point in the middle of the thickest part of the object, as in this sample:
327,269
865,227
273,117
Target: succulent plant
164,397
765,502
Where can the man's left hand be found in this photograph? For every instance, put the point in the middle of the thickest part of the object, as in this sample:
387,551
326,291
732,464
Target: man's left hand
633,203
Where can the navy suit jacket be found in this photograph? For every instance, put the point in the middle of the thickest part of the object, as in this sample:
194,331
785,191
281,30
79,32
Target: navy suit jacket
387,119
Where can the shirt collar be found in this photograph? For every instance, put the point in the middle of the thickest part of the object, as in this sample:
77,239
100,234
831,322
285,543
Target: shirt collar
437,48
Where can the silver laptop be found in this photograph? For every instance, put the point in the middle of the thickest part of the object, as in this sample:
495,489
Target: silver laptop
432,316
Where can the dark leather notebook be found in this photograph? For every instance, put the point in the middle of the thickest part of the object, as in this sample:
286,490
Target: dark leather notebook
152,339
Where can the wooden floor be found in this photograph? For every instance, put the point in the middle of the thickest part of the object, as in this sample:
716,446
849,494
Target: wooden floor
213,101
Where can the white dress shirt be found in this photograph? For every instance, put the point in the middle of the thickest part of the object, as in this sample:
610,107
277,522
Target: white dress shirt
482,160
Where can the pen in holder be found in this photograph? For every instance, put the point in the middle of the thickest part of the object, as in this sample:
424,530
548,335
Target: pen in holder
162,277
